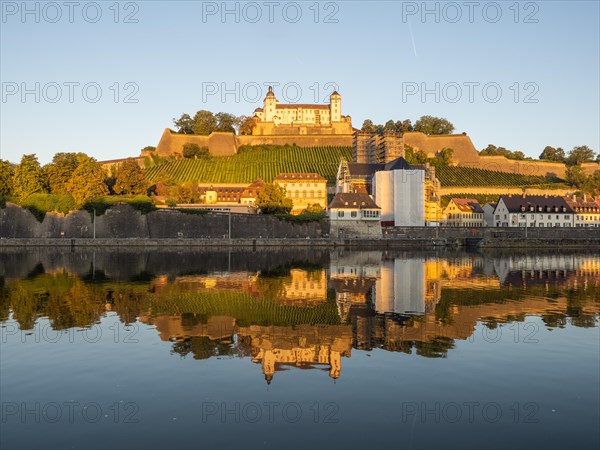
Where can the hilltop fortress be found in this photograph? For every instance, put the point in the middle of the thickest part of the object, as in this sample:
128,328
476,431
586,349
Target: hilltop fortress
308,125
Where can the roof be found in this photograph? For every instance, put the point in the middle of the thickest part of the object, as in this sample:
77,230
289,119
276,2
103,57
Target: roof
581,205
515,203
353,201
398,164
365,169
467,205
258,110
369,169
252,190
299,176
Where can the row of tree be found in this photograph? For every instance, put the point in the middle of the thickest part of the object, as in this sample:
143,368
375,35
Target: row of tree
577,155
589,184
69,174
205,122
426,124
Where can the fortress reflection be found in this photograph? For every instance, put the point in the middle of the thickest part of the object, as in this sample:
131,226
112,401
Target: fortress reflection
311,315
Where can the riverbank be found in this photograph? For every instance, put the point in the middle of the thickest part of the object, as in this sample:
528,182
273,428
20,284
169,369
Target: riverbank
365,243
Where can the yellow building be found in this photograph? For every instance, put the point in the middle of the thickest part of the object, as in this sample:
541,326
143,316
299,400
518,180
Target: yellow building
304,189
304,286
464,212
275,118
587,211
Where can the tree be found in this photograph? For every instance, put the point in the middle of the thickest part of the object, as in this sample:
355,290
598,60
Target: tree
368,126
553,154
130,179
575,176
28,178
404,126
6,178
184,193
433,125
271,199
87,182
517,155
204,122
444,156
149,148
390,125
60,170
245,125
191,150
592,184
225,122
413,156
185,124
580,154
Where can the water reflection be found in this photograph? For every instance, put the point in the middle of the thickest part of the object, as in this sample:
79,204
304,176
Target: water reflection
303,309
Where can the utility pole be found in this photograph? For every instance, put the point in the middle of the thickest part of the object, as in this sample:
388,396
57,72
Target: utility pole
94,223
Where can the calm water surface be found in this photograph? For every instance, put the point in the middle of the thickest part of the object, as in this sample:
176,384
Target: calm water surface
299,348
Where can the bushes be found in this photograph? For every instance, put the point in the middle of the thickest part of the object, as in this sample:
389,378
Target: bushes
40,204
304,217
142,203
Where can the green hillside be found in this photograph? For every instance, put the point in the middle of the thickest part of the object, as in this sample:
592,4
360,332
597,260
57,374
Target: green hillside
267,161
263,162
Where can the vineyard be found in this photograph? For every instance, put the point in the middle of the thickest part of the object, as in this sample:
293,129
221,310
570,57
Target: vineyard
265,162
469,176
246,309
251,164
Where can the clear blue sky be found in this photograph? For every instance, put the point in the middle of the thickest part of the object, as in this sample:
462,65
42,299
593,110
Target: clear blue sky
369,53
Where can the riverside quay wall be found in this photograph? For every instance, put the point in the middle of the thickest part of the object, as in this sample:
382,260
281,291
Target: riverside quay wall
124,226
124,222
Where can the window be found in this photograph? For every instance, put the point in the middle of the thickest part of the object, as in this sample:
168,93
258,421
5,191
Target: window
340,213
353,214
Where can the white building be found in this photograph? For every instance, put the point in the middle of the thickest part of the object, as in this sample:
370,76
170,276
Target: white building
401,195
354,215
488,214
532,211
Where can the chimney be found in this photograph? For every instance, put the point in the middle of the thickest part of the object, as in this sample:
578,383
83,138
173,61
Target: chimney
574,198
585,197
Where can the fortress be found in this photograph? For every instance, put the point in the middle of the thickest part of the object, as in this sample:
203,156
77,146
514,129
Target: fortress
275,118
308,125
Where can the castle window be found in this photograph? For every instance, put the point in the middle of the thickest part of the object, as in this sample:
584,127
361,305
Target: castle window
304,194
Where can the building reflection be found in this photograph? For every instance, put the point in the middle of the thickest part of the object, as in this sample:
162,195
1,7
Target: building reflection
311,316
